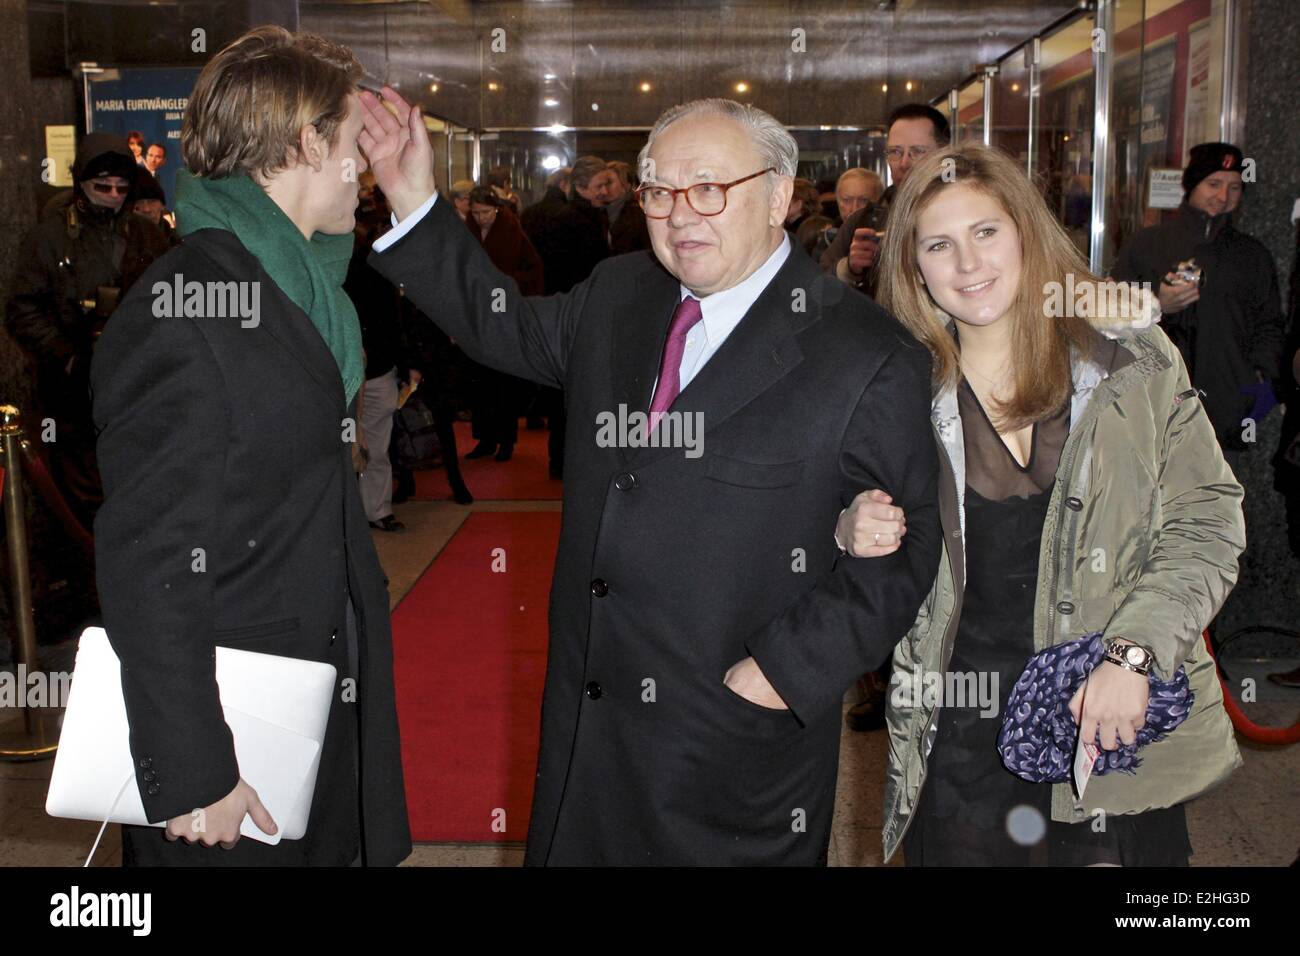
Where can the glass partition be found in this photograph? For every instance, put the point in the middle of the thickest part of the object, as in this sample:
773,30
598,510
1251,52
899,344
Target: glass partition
826,153
1065,123
530,155
1011,106
970,112
1167,90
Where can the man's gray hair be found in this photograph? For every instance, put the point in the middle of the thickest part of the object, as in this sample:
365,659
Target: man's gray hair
773,142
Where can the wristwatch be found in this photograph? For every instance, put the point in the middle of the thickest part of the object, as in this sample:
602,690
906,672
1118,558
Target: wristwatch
1129,656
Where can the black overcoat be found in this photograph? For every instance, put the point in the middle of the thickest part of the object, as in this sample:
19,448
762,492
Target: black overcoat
674,565
232,517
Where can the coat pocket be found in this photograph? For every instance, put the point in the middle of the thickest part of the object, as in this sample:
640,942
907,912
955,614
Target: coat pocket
749,474
744,718
288,625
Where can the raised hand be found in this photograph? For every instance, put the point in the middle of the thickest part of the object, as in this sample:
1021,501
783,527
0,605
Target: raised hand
397,146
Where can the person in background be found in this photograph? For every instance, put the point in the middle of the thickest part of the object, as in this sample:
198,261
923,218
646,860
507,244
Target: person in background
1055,440
587,192
803,203
151,203
497,395
826,198
915,131
855,188
1218,290
135,139
498,180
441,364
72,269
627,226
459,195
155,157
812,234
571,245
376,302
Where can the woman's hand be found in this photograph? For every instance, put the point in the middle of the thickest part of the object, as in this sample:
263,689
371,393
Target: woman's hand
871,526
1115,705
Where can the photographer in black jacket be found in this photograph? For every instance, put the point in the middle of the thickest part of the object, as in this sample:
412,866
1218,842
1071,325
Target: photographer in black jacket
73,267
1218,290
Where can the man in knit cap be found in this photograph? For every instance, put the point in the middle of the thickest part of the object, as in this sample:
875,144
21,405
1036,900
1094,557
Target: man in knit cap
1218,290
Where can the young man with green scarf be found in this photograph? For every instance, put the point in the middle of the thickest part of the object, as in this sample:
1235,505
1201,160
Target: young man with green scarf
232,515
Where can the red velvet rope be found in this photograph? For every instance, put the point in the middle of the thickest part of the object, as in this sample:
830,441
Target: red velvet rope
40,478
1250,729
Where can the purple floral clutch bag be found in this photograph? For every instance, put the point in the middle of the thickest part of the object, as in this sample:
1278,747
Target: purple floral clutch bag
1038,732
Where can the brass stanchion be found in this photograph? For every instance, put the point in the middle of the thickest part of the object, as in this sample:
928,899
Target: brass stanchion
32,734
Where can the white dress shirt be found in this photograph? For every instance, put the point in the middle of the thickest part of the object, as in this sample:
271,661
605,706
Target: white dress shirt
722,311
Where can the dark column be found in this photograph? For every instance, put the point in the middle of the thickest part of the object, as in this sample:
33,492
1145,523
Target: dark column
1270,574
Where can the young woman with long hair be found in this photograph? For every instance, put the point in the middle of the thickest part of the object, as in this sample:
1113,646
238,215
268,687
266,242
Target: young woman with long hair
1083,491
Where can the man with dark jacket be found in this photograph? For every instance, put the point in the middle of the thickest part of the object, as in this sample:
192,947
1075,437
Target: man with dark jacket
569,241
627,228
74,266
703,630
571,244
915,130
231,513
1218,290
587,192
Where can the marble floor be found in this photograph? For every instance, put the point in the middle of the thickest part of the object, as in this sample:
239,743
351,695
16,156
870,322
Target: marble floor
1253,819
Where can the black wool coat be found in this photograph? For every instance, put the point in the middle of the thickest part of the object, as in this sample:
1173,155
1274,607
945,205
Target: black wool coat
230,439
673,566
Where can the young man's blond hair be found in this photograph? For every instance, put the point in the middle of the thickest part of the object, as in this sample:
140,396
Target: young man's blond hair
253,98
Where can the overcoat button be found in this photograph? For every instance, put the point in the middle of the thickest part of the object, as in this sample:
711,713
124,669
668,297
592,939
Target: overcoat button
625,481
599,587
594,691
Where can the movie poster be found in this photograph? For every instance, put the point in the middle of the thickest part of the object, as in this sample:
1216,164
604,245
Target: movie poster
151,101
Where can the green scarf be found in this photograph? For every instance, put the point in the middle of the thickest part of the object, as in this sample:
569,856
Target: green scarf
309,273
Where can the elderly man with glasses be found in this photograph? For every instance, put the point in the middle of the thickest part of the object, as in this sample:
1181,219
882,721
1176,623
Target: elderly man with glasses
725,401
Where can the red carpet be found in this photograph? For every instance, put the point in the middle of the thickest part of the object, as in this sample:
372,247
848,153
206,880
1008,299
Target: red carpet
470,660
524,478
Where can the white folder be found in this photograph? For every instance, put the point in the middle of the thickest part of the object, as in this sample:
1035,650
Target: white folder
276,709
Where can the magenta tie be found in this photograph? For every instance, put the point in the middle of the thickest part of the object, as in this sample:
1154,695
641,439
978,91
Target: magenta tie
685,315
